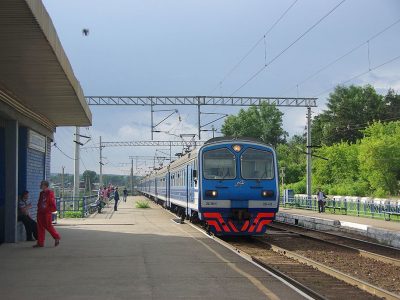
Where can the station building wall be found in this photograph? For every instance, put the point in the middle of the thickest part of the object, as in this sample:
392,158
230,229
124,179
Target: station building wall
2,178
33,167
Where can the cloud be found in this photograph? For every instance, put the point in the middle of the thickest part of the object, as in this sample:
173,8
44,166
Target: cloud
383,82
129,133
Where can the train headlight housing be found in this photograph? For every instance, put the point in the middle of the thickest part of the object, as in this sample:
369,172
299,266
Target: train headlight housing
211,193
267,193
236,148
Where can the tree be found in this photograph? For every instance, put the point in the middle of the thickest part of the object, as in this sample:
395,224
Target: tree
340,174
380,158
349,110
291,156
392,106
262,122
89,177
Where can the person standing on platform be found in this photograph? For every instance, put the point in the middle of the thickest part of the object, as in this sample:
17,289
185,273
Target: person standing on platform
105,195
23,215
116,199
46,206
125,194
321,200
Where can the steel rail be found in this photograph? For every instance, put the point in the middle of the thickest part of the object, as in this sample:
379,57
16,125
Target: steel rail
363,253
294,282
365,286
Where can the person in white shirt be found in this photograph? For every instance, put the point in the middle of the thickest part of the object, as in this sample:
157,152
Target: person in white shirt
24,205
321,200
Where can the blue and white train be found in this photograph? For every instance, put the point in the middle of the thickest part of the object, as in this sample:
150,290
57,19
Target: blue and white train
231,185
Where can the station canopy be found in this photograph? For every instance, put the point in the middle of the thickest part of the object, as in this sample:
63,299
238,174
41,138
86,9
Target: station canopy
35,75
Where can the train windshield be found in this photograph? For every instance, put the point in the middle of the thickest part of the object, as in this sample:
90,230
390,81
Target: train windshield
257,164
219,164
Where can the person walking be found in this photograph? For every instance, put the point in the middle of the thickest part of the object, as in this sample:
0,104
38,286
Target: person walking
125,194
321,200
23,215
46,206
116,199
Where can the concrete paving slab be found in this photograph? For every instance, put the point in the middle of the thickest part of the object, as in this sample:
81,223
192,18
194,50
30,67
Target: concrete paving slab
132,254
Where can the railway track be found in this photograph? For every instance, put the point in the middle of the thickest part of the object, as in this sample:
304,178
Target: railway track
311,277
365,248
370,271
306,277
319,279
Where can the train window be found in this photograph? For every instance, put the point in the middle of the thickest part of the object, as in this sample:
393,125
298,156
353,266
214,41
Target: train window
257,164
219,164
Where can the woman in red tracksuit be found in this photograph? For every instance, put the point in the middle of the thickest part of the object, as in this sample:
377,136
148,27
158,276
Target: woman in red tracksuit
46,206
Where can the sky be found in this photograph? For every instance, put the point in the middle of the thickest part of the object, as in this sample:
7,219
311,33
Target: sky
188,48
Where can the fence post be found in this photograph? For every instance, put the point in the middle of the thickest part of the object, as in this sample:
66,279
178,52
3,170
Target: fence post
358,207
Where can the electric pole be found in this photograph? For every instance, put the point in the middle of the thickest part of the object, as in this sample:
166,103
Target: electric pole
309,153
101,164
199,119
76,165
90,186
282,177
132,176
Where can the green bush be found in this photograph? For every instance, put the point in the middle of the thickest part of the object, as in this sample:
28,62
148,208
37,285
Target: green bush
298,187
72,214
142,204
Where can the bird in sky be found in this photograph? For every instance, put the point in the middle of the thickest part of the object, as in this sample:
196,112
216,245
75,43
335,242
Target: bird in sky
85,31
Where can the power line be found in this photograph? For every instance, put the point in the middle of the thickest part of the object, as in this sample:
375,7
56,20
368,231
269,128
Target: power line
288,47
361,74
66,155
253,47
343,56
83,163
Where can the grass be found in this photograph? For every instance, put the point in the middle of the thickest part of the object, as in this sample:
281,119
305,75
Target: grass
142,204
72,214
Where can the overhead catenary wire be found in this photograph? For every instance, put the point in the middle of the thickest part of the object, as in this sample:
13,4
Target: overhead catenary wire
288,47
65,154
359,75
233,69
363,125
374,36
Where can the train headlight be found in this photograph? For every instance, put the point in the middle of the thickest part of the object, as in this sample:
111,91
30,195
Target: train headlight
267,193
211,193
236,148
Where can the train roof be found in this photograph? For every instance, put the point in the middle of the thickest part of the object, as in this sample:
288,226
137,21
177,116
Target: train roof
234,139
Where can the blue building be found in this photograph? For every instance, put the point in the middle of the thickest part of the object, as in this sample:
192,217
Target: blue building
38,93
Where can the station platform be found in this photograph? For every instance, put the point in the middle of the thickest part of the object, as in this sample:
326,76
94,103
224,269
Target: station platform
385,232
132,254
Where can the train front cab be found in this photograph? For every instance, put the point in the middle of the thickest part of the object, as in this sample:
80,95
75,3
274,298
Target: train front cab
239,188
